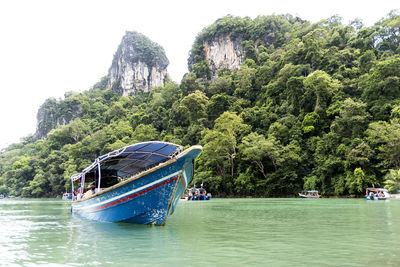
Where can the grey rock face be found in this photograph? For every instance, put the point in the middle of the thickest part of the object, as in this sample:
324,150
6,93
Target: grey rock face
223,52
53,114
138,65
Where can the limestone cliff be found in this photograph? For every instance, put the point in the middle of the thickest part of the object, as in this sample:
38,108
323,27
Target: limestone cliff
138,65
223,52
230,40
53,113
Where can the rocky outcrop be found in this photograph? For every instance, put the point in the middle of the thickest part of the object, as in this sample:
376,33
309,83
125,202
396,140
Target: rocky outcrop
53,114
223,52
138,65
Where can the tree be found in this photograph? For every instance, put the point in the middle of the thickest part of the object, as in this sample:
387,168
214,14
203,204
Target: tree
194,105
320,84
358,181
244,82
220,145
352,120
310,123
145,133
384,137
190,83
381,88
254,147
392,180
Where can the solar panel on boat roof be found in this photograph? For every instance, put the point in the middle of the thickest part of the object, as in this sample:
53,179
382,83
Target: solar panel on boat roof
137,155
152,147
136,147
156,158
167,150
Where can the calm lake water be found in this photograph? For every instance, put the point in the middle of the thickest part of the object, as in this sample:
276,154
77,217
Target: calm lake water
220,232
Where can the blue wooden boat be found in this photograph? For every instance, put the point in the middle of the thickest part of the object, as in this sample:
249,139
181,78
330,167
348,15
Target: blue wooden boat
140,183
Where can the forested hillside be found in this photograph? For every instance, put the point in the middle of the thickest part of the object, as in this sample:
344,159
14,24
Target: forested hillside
313,106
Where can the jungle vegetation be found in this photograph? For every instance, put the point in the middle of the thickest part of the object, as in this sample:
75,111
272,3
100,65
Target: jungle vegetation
314,106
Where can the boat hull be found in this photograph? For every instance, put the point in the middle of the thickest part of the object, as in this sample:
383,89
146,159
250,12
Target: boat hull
376,198
302,196
148,199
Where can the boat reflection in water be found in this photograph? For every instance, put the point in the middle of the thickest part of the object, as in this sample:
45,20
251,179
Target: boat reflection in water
140,183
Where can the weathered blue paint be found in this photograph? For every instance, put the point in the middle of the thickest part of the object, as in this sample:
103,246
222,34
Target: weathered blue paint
147,199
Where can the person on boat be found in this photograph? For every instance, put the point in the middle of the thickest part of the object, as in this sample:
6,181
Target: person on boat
91,190
79,193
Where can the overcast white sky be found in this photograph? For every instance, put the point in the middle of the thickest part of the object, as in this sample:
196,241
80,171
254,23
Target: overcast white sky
48,47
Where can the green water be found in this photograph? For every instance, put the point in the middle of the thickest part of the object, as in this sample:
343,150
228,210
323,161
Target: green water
220,232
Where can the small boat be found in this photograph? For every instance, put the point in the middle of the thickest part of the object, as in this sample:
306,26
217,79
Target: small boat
140,183
377,194
67,196
201,194
309,194
196,194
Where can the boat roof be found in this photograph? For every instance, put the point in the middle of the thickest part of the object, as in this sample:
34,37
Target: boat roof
309,191
376,189
130,160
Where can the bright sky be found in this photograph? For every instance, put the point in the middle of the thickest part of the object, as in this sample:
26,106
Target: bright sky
49,47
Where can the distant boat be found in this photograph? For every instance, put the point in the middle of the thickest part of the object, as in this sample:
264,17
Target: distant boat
309,194
196,194
140,183
376,194
67,196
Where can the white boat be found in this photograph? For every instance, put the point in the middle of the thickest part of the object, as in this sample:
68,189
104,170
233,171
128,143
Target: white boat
309,194
377,194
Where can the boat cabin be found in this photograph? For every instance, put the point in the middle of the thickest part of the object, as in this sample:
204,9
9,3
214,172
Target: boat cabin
119,165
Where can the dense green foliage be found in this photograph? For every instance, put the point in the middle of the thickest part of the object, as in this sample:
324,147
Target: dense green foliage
143,49
314,106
